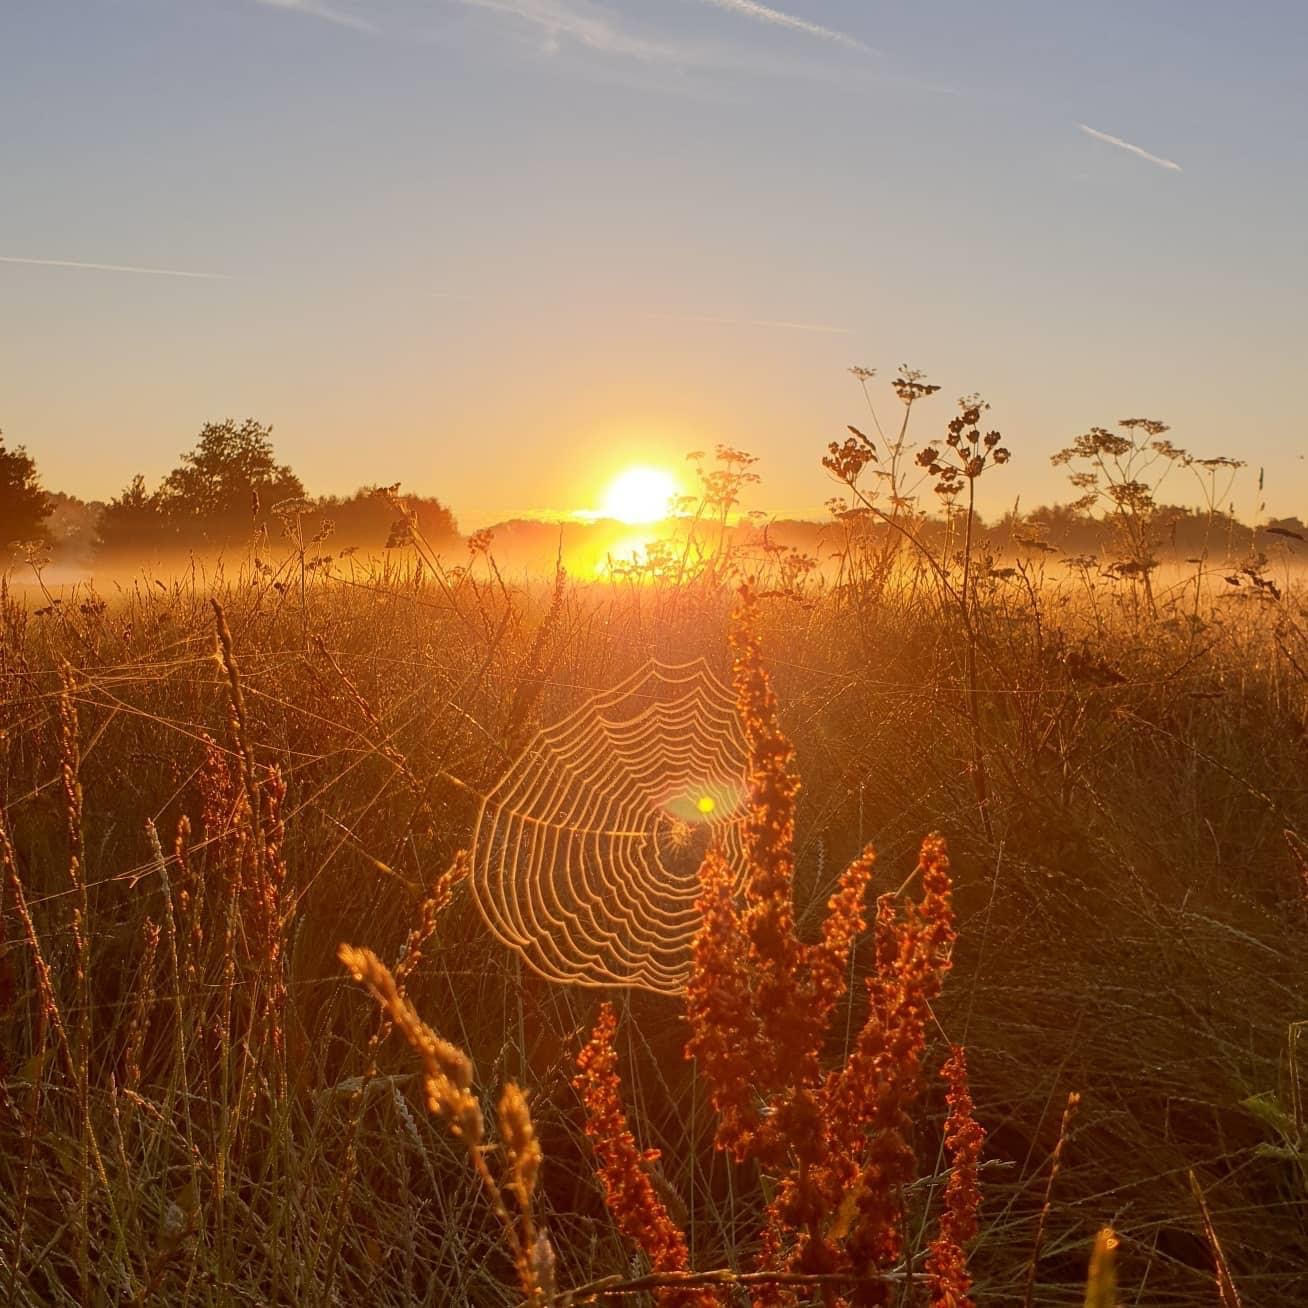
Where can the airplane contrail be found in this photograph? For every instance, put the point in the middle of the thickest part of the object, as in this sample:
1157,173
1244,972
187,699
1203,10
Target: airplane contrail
775,17
113,267
1131,149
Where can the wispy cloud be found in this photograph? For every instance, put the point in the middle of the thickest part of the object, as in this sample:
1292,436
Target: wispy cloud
606,31
113,267
328,14
824,328
588,24
775,18
1169,164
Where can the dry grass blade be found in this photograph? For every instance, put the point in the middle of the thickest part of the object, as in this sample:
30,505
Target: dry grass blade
724,1278
1226,1290
1069,1112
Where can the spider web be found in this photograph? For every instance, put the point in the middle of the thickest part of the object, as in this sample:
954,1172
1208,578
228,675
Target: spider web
586,854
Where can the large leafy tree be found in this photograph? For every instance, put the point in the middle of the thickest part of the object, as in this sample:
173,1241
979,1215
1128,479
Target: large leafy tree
226,484
220,494
23,504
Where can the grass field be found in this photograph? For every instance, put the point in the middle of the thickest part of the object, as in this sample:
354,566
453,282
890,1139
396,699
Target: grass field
208,786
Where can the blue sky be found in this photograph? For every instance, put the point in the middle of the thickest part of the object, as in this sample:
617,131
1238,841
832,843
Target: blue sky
498,249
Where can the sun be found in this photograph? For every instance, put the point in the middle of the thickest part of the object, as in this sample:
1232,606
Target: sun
640,495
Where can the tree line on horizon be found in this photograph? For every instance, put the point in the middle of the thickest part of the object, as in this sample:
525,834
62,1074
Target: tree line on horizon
227,491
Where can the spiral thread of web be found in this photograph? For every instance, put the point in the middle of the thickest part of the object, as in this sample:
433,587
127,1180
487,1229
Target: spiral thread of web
586,854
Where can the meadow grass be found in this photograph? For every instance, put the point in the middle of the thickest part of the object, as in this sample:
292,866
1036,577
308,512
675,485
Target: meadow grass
209,784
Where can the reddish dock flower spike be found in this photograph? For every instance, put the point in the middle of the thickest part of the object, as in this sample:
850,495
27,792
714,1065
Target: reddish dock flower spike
964,1136
621,1167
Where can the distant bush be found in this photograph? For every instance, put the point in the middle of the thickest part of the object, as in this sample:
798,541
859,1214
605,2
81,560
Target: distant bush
368,520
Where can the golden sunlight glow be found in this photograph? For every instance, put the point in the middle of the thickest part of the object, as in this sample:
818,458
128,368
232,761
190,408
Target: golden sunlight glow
627,553
706,804
640,495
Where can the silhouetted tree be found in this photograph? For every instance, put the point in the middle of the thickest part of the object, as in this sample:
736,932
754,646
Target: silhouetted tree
23,504
226,485
135,522
367,519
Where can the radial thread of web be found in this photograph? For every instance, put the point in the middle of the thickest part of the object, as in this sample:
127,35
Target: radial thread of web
586,854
